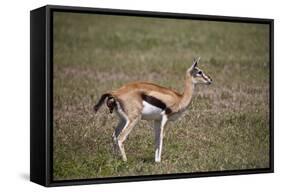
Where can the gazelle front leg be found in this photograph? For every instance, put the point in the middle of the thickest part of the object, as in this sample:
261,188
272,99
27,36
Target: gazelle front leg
159,128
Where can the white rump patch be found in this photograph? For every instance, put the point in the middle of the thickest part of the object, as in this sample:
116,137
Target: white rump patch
151,112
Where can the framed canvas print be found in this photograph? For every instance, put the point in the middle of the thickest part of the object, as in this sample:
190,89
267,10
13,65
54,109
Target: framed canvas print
119,95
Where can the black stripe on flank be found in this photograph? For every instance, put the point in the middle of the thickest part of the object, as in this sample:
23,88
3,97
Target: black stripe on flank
153,101
168,111
156,102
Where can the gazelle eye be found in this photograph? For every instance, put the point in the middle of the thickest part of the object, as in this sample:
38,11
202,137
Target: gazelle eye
200,72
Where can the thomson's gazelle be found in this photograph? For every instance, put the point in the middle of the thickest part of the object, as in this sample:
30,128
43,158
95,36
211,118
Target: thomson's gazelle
141,100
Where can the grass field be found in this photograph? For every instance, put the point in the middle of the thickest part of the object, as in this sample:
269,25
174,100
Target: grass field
226,126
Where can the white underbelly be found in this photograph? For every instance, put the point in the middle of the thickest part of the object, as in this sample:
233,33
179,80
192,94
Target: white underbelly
151,112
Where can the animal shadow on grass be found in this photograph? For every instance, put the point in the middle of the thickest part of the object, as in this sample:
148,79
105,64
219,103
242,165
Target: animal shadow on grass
146,159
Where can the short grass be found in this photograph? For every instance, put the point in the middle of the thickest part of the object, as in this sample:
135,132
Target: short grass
226,126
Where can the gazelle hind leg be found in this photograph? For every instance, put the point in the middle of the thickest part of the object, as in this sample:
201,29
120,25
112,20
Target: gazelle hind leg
118,129
159,129
130,124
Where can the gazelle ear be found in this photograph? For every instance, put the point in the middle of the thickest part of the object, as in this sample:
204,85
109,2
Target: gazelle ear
195,63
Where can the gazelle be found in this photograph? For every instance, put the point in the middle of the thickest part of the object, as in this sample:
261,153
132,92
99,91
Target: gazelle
142,100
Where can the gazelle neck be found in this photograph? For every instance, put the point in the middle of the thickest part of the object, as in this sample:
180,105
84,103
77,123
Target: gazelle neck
188,92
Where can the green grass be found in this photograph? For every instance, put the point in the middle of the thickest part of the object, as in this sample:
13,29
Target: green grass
227,124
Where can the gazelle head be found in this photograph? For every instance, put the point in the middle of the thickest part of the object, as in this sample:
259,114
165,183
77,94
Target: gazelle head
197,75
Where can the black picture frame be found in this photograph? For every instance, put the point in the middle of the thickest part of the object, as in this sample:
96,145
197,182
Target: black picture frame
41,90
